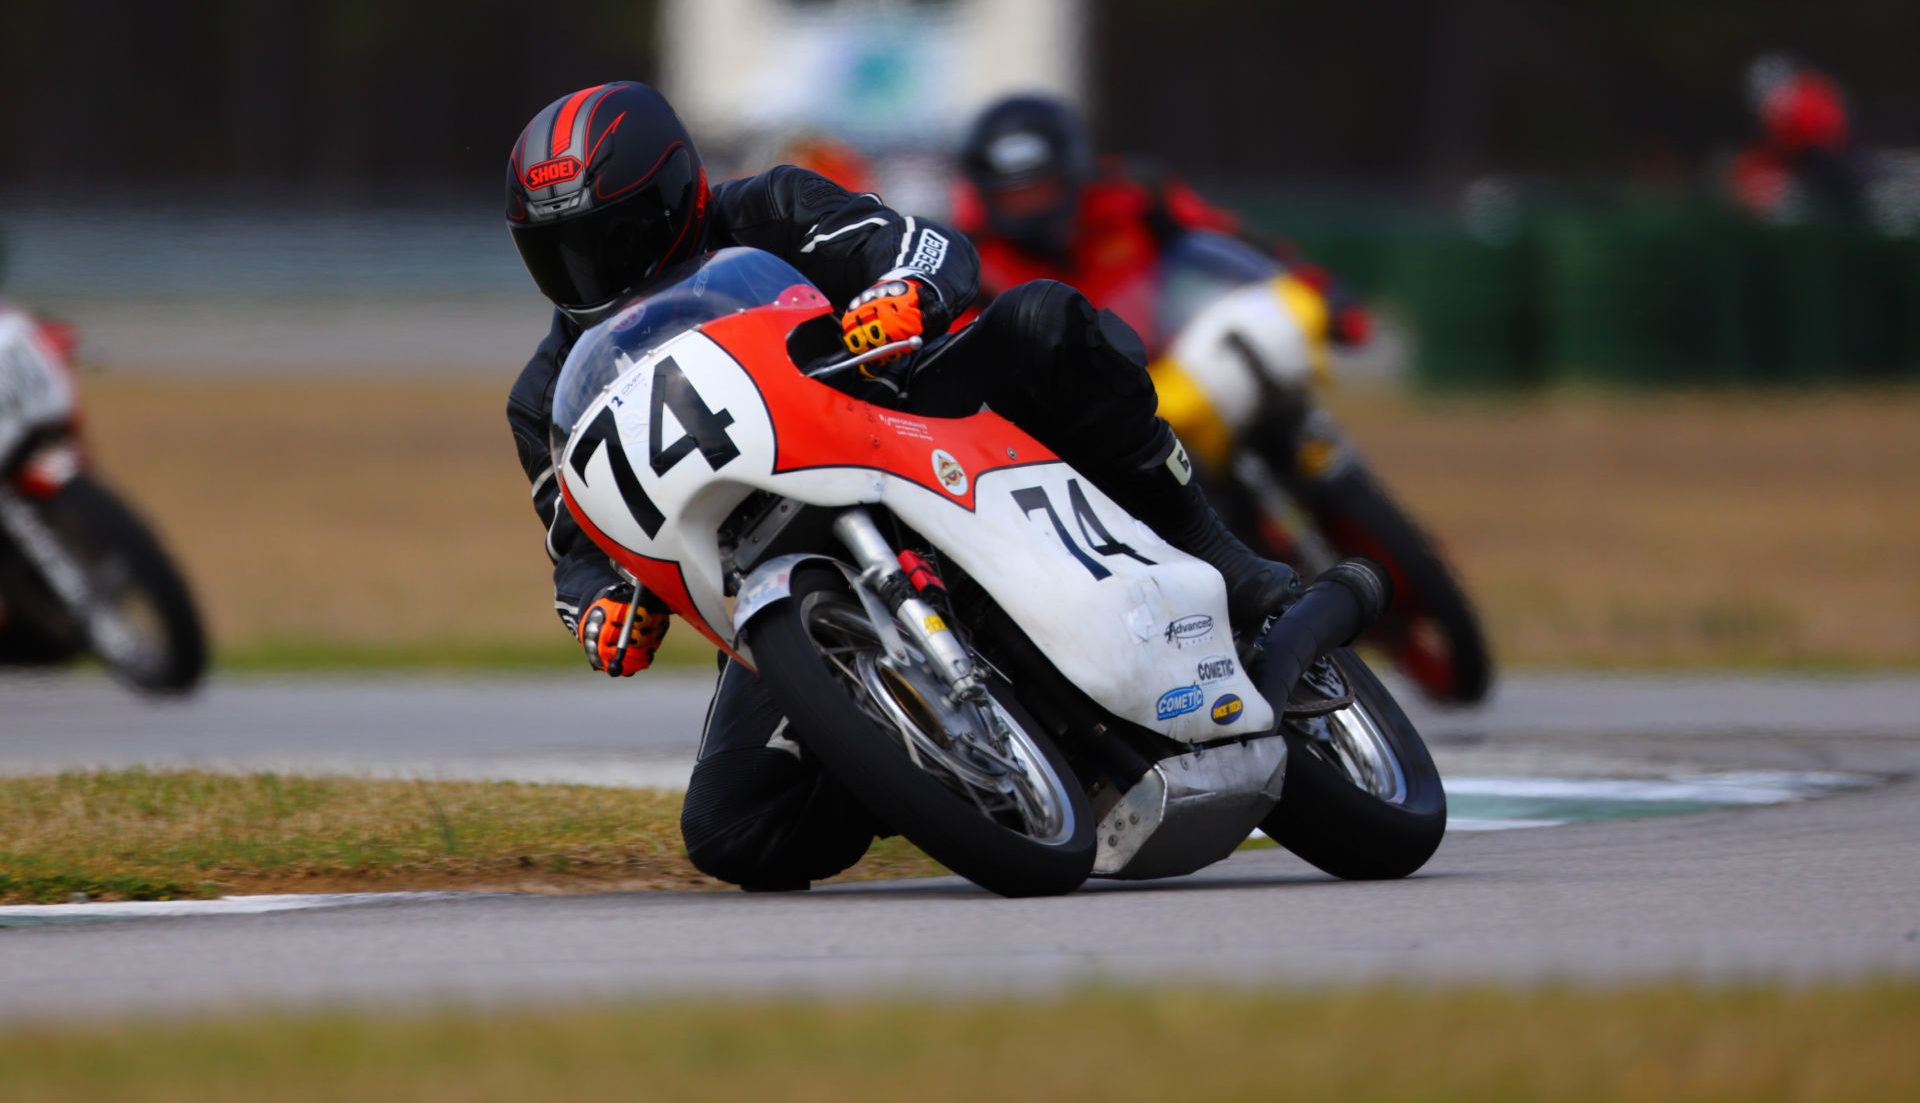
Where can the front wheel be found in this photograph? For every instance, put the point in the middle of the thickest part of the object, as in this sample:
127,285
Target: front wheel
142,622
1362,799
977,785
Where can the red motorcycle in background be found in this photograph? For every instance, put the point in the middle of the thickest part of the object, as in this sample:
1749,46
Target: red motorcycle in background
80,571
1239,345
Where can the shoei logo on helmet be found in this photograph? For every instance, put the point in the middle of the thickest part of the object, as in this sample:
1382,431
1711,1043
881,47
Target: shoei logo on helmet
548,173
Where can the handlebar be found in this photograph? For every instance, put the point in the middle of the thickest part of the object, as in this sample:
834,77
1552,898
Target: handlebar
1342,603
911,344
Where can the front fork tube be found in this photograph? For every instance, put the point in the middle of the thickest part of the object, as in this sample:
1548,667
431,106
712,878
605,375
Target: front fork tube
880,573
21,524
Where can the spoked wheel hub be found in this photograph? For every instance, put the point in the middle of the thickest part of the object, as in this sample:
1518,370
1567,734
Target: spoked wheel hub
974,747
1351,740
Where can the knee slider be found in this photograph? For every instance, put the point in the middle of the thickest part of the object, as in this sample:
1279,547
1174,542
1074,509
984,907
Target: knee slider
757,815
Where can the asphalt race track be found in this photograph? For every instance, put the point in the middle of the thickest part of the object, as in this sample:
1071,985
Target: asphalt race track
1812,889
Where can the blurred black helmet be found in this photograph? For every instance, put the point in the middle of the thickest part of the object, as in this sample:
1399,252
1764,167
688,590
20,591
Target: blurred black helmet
604,189
1027,158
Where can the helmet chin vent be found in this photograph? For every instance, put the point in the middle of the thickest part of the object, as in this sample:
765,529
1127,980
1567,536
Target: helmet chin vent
550,207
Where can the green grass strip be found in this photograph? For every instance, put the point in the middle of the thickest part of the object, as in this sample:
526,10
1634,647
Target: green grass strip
158,835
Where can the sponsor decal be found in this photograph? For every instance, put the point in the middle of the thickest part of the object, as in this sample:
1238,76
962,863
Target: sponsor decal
935,624
628,318
1214,669
905,426
1227,709
949,472
548,173
1179,463
930,253
1191,629
1179,702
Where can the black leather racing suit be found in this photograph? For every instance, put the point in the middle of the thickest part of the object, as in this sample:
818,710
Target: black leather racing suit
759,812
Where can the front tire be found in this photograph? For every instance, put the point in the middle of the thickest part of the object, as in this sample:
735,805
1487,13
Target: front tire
144,626
1362,799
984,792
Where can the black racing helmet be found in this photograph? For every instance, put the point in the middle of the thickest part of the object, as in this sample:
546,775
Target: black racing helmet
604,189
1027,158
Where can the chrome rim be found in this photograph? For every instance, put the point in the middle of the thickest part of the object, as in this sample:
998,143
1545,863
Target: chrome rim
125,625
1352,741
977,749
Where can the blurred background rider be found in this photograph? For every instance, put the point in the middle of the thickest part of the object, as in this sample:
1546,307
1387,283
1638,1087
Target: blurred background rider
1039,204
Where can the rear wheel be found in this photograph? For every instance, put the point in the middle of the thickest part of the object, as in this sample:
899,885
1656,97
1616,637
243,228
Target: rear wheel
1362,799
142,623
1431,632
977,785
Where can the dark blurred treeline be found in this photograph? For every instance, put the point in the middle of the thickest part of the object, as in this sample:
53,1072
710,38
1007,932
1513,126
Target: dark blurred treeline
1406,93
374,95
318,95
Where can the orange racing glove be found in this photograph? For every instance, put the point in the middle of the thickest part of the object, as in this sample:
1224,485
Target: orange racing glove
888,311
600,628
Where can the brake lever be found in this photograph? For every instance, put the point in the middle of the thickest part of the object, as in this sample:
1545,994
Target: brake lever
626,629
911,344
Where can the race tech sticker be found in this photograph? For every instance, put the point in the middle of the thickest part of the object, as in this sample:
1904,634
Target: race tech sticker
1227,709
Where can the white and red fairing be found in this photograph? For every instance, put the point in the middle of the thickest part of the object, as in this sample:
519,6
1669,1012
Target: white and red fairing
1140,627
36,394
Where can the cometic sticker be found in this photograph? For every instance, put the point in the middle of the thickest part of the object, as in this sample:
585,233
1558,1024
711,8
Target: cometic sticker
1214,668
1179,702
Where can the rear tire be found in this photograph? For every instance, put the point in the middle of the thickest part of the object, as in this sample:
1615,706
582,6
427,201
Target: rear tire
1361,799
1431,632
818,656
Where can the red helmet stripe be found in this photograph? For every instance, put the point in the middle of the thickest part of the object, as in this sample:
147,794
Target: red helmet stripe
611,127
563,125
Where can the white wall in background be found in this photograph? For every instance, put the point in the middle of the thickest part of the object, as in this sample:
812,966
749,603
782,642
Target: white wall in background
894,72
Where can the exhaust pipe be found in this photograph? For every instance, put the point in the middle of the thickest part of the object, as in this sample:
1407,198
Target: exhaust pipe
1342,603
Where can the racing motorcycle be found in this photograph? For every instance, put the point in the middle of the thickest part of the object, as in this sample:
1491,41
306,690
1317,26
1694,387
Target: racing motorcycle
1005,666
79,570
1236,380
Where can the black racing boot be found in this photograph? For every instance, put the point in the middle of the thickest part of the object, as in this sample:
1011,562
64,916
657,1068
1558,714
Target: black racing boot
1163,493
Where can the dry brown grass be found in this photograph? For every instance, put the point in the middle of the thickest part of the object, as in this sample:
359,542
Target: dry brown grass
1772,529
357,513
1742,529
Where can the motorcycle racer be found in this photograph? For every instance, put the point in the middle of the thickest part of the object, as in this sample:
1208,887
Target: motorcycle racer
1038,205
605,191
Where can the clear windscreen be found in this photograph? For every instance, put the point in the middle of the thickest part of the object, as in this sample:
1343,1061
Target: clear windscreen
680,299
1200,266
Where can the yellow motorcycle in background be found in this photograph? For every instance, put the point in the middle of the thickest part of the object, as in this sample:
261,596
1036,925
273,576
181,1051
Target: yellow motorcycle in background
1246,347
